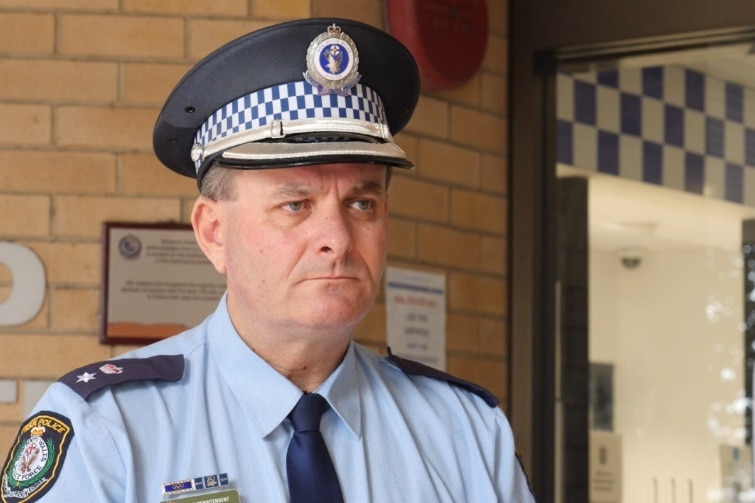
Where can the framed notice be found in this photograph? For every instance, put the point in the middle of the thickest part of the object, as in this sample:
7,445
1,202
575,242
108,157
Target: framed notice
156,282
416,315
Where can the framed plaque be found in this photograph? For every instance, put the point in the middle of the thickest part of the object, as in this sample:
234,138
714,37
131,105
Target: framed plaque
156,282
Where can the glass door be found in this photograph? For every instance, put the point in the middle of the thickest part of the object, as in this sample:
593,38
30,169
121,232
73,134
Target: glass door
656,167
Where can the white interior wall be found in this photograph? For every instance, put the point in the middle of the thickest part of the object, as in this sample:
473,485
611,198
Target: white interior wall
672,329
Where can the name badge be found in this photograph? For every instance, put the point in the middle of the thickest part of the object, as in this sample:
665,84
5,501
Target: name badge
229,496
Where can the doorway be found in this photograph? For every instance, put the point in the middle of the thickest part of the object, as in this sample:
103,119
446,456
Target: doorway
665,148
599,40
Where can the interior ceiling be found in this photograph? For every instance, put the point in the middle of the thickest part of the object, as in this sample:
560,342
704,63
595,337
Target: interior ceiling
627,214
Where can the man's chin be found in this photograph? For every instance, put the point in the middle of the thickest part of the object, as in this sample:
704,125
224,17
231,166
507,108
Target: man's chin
335,313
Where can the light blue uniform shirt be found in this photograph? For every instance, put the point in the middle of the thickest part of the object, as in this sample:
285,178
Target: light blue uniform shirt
392,437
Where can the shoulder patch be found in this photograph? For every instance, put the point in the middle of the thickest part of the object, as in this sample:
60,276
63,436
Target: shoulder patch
90,378
419,369
36,457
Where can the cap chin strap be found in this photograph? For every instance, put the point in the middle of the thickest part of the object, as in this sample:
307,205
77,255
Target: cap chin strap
280,129
290,154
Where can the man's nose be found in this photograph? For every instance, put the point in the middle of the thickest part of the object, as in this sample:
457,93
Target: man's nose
335,233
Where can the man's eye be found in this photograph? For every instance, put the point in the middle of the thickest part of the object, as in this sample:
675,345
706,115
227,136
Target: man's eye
363,205
294,205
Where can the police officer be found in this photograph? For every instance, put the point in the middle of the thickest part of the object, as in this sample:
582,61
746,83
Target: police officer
269,399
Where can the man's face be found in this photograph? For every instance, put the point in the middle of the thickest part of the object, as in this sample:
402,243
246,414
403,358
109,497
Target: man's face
303,248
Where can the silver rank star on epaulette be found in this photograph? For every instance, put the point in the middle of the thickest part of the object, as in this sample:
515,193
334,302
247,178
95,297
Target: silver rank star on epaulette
332,63
195,484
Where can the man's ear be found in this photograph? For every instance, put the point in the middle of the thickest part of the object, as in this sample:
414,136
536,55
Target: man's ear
206,218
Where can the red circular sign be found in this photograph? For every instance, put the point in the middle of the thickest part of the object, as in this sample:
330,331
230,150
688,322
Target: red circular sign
446,37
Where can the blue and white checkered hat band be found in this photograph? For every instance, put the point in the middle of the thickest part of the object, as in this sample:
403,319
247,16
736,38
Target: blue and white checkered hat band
291,102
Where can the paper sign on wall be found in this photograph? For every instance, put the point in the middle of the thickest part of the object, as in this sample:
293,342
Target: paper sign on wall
416,315
605,467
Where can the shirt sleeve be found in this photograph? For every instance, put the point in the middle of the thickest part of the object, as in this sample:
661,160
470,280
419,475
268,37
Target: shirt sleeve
90,466
513,484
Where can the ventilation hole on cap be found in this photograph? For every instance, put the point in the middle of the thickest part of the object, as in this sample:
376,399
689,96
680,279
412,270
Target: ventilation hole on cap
173,139
190,110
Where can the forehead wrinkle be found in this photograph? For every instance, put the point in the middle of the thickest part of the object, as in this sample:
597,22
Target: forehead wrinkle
303,189
369,187
295,189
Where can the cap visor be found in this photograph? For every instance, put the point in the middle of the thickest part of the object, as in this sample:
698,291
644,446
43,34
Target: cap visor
280,154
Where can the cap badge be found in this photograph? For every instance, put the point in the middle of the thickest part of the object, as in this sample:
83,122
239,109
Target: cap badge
332,62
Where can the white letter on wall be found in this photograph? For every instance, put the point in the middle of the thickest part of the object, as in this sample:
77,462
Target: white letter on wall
28,290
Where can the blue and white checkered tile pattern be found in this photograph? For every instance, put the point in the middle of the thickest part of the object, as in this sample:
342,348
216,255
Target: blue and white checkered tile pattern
290,101
668,126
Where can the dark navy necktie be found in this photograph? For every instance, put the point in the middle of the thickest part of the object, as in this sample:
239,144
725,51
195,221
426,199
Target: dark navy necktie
311,476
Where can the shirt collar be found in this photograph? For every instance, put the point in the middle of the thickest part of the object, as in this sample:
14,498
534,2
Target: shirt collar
270,397
342,390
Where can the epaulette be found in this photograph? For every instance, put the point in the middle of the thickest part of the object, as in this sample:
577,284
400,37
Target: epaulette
419,369
90,378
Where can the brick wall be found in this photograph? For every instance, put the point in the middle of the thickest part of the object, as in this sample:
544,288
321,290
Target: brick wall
81,83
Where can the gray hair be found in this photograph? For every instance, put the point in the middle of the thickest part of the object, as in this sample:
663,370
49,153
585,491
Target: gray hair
219,183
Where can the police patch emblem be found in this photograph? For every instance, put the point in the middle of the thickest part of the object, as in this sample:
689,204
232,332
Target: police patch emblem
34,461
332,62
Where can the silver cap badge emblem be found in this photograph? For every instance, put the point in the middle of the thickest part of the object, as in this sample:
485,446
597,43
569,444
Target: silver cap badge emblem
332,62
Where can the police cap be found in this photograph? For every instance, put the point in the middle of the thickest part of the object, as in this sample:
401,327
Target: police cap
313,91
